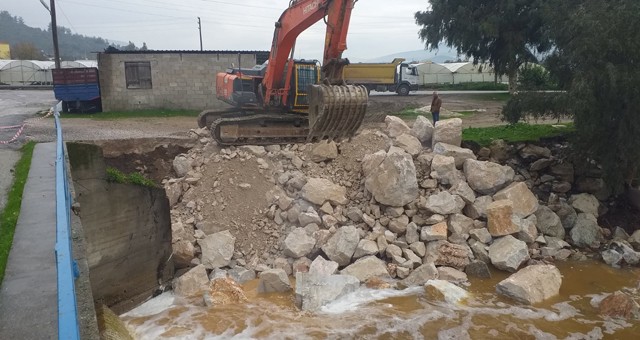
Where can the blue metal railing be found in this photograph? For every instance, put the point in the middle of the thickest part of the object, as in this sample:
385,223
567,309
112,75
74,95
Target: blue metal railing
68,326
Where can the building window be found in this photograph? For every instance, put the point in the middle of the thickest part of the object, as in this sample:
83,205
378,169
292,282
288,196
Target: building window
138,74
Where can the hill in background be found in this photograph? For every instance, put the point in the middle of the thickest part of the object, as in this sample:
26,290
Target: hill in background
72,46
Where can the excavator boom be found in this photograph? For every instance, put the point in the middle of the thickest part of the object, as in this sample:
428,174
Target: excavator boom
293,102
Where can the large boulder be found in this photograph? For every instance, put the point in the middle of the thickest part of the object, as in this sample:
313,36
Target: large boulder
409,144
533,152
314,291
422,129
443,169
508,253
366,268
459,154
443,253
421,275
585,203
586,232
183,253
532,284
486,177
445,291
322,267
500,218
274,281
460,224
298,243
342,245
217,249
320,190
524,201
371,162
448,131
182,165
549,223
365,248
619,305
192,282
224,291
393,182
444,203
396,126
324,151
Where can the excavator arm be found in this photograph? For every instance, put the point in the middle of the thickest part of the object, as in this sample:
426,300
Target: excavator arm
301,15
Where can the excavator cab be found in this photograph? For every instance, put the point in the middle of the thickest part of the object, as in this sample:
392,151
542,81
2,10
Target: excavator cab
306,73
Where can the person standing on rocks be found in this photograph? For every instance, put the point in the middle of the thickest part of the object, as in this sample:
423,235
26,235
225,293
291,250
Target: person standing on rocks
436,103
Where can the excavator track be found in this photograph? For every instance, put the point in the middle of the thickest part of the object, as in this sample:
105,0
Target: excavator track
335,112
260,129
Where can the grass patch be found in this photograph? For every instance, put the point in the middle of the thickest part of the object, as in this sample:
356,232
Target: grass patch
465,113
156,113
117,176
503,97
520,132
9,216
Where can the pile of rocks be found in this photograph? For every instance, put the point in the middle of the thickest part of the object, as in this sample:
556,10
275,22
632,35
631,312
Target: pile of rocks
413,206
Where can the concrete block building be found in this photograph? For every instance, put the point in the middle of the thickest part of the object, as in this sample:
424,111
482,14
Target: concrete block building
137,80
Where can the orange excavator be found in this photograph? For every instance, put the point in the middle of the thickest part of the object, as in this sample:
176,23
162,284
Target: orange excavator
289,100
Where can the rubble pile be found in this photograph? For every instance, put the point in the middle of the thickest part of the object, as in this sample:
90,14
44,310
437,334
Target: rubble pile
407,205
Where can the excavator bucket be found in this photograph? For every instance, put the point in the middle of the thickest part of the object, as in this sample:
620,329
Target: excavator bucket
336,111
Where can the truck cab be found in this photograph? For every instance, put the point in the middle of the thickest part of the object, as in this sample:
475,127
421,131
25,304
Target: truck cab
407,79
396,76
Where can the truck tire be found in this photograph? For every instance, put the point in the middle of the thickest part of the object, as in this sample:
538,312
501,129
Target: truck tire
403,90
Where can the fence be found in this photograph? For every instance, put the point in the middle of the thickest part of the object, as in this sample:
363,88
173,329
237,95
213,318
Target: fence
68,326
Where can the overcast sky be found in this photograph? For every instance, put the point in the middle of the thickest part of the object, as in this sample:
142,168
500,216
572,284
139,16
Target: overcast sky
378,27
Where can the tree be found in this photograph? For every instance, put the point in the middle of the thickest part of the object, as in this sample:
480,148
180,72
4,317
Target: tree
596,58
144,47
504,33
26,51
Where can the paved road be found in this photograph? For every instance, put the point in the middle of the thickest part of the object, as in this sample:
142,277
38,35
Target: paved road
15,107
428,93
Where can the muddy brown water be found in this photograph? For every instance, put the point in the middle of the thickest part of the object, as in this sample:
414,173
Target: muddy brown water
389,314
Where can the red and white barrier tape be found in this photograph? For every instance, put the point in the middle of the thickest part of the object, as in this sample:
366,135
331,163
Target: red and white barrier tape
21,128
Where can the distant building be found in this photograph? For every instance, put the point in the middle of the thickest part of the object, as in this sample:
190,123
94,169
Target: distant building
134,80
5,51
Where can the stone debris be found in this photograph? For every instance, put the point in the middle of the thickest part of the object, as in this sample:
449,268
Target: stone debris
532,284
224,291
445,291
191,283
382,206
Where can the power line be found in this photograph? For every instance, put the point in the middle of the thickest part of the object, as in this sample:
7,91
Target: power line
65,16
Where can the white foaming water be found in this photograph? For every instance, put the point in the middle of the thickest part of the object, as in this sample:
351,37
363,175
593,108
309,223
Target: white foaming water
153,306
352,301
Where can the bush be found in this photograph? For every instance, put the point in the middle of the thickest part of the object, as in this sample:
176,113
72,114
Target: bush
116,176
535,78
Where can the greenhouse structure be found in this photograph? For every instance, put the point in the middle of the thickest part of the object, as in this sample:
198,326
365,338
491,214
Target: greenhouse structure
455,73
34,72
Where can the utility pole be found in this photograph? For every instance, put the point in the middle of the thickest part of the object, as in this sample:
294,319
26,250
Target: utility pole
54,30
199,29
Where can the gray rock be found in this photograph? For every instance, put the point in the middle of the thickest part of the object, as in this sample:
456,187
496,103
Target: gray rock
174,192
421,275
183,253
508,253
540,164
354,214
478,209
434,232
448,131
478,269
409,144
500,150
486,177
463,190
365,248
620,251
366,268
274,281
459,154
528,230
301,265
399,225
585,203
445,291
534,152
396,126
451,274
443,169
192,282
393,182
567,213
217,249
320,190
412,234
322,267
564,171
422,129
524,201
298,243
586,232
549,223
257,150
480,251
460,224
532,284
181,165
313,291
309,217
324,151
342,245
418,248
241,274
634,240
481,235
371,162
444,203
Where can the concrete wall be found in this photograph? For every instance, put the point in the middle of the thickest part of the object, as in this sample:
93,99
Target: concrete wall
127,232
179,80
